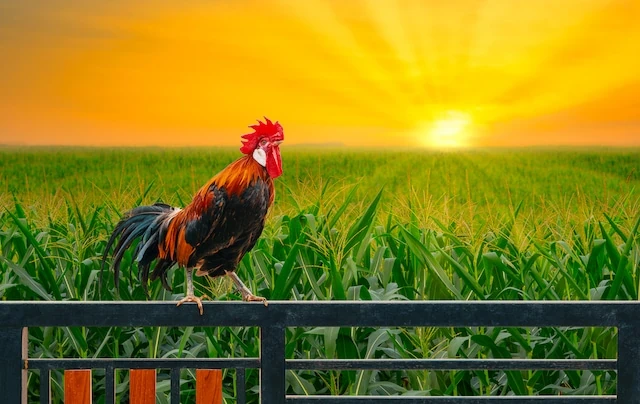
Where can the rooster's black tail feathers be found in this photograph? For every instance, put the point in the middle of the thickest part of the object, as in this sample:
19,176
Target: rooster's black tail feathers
149,223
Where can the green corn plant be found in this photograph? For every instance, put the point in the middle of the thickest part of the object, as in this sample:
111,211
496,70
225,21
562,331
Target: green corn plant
454,233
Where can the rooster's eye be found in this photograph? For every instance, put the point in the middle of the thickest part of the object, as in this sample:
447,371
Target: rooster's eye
263,142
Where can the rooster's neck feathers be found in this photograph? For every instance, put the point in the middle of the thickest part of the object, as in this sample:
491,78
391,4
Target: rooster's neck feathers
234,179
239,175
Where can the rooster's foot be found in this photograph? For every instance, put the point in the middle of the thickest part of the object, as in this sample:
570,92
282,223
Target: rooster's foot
247,296
195,299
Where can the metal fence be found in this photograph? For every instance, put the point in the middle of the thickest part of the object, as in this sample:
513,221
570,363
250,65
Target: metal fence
16,317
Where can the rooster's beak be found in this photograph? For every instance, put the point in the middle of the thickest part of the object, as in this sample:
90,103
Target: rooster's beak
277,142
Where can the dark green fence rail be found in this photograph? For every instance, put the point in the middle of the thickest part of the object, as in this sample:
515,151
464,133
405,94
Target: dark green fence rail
16,317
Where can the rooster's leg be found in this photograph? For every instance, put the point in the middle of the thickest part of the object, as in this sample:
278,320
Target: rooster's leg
247,296
191,297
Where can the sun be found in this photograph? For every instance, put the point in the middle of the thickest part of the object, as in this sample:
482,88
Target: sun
450,130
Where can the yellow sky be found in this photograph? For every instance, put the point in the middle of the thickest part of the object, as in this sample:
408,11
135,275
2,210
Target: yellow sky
363,73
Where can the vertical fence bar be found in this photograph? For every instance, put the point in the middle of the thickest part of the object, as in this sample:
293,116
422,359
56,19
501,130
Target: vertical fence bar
272,364
45,386
241,386
13,376
109,385
175,386
628,384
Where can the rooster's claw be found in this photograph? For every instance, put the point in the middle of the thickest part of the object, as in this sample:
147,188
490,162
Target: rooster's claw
192,298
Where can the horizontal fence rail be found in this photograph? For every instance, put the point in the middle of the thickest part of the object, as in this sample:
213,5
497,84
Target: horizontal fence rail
272,320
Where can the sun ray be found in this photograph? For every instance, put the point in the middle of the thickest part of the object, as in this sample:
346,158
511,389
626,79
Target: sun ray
321,18
391,26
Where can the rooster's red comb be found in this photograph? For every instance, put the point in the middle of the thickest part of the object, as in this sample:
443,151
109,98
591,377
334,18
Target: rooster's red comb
270,130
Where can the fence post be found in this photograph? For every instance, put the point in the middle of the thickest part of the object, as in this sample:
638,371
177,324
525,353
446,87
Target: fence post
628,384
272,364
13,376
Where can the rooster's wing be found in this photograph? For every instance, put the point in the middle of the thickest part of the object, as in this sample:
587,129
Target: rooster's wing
195,225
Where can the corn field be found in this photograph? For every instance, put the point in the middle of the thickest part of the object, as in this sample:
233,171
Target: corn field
356,225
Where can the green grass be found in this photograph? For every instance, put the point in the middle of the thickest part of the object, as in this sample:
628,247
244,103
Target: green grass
387,225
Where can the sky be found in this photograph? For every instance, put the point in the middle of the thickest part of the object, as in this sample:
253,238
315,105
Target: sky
363,73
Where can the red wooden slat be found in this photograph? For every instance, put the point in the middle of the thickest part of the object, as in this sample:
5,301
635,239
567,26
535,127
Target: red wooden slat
208,386
77,386
142,386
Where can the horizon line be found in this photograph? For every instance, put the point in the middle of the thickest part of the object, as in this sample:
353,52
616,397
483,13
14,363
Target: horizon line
330,145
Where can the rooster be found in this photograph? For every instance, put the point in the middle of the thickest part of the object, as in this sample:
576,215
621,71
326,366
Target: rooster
220,225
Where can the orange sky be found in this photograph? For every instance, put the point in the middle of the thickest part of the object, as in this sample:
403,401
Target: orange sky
363,73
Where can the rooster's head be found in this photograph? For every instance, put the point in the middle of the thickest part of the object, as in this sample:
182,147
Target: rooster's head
264,145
